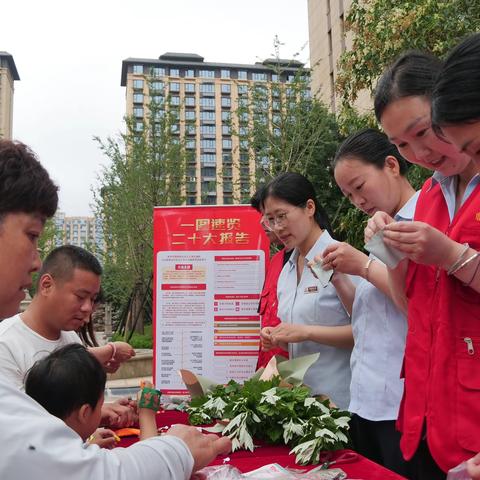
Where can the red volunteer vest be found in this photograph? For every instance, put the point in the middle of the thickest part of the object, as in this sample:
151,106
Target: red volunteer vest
442,375
269,305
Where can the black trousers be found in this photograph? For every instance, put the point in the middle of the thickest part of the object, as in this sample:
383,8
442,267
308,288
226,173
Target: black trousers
422,466
379,442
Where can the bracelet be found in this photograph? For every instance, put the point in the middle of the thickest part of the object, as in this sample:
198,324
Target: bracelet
149,398
114,351
458,261
465,263
367,266
473,276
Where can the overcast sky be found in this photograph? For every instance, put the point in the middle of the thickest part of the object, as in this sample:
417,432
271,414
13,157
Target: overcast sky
69,58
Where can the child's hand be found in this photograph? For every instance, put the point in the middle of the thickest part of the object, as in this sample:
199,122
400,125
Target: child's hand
104,438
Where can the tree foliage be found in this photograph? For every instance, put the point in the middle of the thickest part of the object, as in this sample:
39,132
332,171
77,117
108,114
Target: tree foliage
382,29
282,128
146,169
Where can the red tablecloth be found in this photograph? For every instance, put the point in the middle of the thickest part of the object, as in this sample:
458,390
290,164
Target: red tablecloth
361,468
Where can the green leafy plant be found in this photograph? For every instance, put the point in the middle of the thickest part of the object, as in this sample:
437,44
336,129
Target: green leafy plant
264,410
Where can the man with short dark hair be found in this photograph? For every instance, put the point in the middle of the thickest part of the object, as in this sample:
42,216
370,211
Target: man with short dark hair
33,442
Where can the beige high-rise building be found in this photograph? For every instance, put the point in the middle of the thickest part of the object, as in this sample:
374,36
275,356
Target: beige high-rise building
8,74
327,39
85,232
206,96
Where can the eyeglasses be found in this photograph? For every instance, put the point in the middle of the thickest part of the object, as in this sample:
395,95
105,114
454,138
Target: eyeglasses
276,220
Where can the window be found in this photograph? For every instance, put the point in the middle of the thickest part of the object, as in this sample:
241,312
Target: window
259,77
138,98
206,73
225,88
139,126
242,131
227,200
138,112
174,72
226,116
190,144
209,172
244,144
242,102
207,116
242,75
175,128
242,89
226,130
207,130
191,201
275,105
190,129
208,159
190,87
226,102
190,101
290,78
226,144
207,144
158,72
207,88
138,84
208,103
189,114
275,77
158,99
227,158
174,87
225,73
138,69
243,117
157,86
174,100
190,73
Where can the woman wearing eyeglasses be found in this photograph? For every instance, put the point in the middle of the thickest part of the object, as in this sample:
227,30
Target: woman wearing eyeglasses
313,318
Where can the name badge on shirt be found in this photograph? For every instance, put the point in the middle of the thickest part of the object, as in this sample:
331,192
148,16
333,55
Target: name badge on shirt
312,289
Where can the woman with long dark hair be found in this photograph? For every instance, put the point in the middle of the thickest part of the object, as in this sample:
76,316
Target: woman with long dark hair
313,318
371,173
437,280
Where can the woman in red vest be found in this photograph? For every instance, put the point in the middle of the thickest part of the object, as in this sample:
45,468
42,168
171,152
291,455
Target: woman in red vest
437,281
456,117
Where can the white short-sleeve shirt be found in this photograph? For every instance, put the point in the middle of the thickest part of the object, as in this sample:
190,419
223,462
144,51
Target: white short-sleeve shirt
379,332
21,347
308,303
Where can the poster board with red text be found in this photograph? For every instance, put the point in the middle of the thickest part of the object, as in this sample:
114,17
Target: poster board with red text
209,269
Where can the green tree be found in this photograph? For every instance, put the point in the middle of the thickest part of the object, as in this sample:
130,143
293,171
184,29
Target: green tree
383,29
281,128
146,169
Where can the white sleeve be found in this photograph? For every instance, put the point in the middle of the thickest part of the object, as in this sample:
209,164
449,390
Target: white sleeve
37,445
165,457
10,371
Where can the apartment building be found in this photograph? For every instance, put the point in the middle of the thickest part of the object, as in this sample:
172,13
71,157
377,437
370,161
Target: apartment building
328,40
8,75
86,232
207,96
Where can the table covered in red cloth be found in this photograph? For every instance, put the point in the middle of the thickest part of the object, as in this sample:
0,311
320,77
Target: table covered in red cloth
359,468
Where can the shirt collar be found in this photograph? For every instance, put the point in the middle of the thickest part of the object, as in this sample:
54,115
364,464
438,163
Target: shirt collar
323,241
408,210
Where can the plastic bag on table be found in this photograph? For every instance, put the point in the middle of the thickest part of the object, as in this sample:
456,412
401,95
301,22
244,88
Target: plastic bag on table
267,472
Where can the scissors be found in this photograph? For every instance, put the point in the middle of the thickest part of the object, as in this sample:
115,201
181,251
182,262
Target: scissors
328,460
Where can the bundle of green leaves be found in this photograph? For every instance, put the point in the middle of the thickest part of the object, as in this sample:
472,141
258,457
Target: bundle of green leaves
263,410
